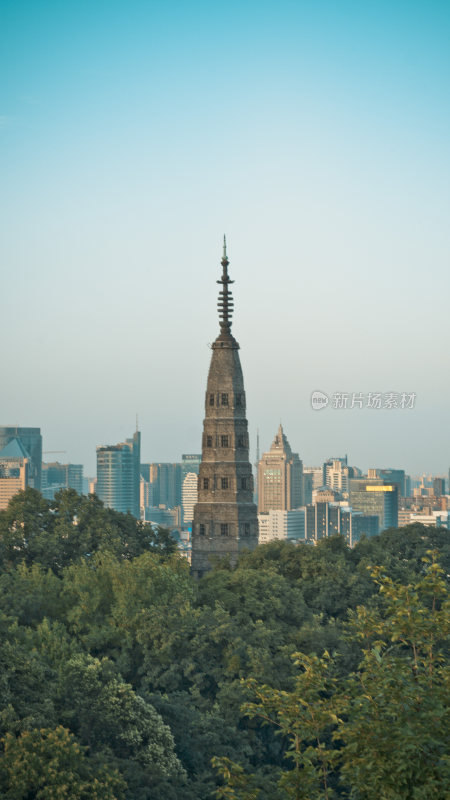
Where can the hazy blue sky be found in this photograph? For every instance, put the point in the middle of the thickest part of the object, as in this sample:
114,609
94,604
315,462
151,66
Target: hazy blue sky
315,134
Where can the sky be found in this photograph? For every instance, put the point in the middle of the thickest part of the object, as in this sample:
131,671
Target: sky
316,135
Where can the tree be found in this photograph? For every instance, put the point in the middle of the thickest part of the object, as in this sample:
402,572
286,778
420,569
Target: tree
390,719
107,716
56,533
30,593
125,609
25,683
49,764
161,539
396,728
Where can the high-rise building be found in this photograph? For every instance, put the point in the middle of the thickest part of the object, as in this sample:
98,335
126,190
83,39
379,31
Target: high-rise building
324,494
280,477
118,475
14,470
31,441
189,496
375,496
56,476
225,520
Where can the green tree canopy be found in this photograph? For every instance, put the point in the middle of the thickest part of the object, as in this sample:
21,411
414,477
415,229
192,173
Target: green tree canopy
48,764
389,720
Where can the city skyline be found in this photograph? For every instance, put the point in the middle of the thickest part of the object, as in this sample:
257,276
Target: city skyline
316,138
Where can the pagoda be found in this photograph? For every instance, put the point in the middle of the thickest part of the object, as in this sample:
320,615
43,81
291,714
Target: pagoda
225,518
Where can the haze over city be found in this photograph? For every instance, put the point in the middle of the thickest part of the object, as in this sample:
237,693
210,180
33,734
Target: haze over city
133,135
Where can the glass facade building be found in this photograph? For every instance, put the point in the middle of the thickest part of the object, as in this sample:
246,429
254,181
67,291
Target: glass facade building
31,440
375,496
118,475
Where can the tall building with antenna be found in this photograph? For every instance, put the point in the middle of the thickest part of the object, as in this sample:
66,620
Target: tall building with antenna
280,477
225,519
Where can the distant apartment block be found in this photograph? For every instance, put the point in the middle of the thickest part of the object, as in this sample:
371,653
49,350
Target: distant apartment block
324,519
160,515
189,496
404,517
56,476
163,484
325,494
439,487
312,479
278,524
317,521
434,519
423,491
336,474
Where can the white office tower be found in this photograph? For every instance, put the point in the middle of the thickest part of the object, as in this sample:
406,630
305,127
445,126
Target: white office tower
278,524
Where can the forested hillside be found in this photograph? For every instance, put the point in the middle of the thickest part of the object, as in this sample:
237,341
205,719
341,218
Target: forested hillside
306,672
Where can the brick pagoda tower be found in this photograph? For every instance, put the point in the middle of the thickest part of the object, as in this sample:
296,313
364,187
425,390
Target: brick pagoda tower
225,519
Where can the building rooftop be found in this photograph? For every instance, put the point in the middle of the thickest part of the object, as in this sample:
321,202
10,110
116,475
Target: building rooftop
14,449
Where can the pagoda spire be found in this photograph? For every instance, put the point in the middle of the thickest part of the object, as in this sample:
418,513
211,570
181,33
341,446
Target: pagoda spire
225,303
